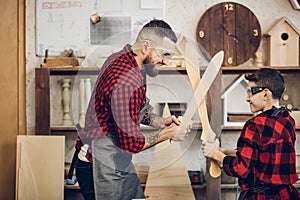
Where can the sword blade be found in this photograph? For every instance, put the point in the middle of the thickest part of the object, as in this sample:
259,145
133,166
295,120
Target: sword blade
202,88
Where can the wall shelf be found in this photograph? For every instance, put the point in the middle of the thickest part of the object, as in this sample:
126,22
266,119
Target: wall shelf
42,88
43,104
247,69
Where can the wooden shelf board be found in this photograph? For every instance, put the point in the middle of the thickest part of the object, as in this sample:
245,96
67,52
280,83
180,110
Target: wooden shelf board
246,69
239,128
148,128
63,128
203,186
95,71
172,70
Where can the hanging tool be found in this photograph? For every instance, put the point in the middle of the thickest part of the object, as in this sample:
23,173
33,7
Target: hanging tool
71,180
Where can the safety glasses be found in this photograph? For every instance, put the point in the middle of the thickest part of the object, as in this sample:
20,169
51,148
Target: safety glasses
255,89
163,53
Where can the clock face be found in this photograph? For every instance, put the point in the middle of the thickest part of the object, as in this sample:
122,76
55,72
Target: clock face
231,27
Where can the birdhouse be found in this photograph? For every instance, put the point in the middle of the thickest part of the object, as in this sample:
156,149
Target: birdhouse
283,44
237,113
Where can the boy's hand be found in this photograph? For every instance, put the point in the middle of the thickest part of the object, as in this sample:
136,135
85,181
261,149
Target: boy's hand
211,148
229,152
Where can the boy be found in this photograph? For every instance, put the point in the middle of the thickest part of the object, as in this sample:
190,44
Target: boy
265,159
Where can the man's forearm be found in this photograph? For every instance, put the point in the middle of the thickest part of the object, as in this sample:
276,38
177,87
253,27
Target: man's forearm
152,139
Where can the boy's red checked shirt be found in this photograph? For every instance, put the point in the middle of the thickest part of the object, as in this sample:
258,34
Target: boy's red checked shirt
117,99
266,155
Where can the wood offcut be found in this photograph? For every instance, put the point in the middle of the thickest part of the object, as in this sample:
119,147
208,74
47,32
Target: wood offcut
67,58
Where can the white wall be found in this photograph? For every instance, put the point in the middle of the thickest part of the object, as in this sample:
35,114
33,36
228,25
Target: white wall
183,16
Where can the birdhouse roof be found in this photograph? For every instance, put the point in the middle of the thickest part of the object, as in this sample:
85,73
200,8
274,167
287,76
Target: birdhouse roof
279,22
231,87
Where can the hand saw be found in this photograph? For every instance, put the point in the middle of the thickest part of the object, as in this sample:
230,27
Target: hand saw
200,88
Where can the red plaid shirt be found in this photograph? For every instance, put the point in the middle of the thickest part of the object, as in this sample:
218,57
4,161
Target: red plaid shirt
117,99
266,154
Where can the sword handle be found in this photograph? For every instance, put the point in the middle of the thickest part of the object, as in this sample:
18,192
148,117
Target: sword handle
214,169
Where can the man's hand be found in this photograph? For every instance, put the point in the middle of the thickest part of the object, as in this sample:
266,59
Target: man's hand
171,119
170,132
160,122
173,130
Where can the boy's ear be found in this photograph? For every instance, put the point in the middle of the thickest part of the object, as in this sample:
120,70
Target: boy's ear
268,94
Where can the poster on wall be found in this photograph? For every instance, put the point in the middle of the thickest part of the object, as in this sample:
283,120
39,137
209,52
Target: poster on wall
59,28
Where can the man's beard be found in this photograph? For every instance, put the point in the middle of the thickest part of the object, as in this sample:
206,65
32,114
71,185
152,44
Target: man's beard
151,70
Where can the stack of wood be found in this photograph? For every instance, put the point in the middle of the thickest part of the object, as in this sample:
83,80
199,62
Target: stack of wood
66,58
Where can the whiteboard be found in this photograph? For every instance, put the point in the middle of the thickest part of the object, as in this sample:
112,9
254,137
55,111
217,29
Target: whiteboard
62,25
65,24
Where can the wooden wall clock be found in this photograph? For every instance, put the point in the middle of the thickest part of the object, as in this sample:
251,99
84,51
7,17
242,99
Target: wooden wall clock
231,27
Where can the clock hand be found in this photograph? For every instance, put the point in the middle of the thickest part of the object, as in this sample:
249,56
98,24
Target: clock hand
235,38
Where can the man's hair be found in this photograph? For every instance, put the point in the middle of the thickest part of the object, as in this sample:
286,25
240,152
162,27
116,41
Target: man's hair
159,28
270,78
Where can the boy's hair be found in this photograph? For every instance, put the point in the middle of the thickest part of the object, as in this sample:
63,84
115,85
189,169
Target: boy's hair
159,28
270,78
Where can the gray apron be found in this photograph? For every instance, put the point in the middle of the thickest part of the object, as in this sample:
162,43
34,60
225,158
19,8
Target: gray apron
114,174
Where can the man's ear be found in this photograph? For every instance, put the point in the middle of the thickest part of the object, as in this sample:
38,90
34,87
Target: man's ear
146,46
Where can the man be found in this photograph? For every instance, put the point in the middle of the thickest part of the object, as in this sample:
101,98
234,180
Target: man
265,158
118,104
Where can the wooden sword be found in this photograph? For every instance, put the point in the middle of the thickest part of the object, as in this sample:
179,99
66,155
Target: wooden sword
197,102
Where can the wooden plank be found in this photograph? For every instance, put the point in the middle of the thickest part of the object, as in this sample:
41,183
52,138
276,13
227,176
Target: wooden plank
12,116
229,44
40,167
216,33
42,101
61,61
21,68
203,34
242,47
213,189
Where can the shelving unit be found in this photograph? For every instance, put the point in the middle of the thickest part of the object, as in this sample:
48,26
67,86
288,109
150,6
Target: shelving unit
43,104
42,98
